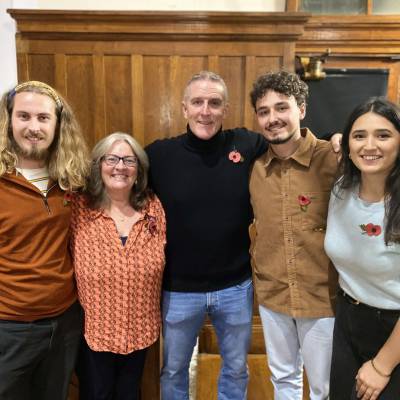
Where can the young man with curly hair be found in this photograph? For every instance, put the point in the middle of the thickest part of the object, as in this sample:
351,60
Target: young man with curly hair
294,280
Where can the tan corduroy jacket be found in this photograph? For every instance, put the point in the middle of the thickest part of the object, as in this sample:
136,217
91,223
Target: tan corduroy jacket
292,273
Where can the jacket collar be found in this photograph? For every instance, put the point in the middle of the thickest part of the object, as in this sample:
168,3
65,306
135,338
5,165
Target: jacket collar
302,155
18,178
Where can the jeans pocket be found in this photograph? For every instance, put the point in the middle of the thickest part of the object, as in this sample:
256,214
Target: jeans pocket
245,284
13,333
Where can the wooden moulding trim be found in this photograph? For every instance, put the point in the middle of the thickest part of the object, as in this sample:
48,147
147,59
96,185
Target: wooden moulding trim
166,37
364,28
354,20
158,16
345,48
160,25
358,53
369,35
157,48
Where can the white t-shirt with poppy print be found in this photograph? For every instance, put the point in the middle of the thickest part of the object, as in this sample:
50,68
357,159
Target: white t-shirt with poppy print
369,270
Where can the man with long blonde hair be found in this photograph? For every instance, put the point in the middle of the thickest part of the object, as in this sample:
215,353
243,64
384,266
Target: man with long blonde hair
43,158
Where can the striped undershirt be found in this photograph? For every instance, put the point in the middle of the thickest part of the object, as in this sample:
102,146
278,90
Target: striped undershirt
39,177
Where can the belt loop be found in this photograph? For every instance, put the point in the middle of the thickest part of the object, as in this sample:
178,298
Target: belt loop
349,298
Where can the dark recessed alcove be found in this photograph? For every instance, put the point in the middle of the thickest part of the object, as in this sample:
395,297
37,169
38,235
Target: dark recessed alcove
332,99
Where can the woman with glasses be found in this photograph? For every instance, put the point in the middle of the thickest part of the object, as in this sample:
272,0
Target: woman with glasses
118,238
363,241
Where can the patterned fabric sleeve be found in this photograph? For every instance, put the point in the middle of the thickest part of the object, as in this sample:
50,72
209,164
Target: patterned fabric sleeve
159,211
77,205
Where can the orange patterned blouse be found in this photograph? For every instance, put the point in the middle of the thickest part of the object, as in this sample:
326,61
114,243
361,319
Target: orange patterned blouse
119,286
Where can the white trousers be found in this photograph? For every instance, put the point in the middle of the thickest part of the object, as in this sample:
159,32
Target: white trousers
292,342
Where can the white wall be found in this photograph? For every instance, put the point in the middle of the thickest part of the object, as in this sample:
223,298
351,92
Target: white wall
210,5
8,64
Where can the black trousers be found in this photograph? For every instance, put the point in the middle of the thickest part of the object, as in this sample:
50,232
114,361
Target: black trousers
360,331
109,376
37,358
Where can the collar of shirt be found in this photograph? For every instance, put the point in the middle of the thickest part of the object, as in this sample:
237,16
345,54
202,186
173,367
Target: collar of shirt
302,155
16,176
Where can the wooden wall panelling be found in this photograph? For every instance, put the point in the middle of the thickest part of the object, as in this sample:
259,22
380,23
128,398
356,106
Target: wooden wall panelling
213,63
117,85
22,67
394,83
287,59
98,130
60,73
250,73
126,71
41,67
137,100
178,65
233,70
76,83
156,96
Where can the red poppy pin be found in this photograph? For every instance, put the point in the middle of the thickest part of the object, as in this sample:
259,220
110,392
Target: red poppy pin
371,229
304,202
67,198
235,156
151,224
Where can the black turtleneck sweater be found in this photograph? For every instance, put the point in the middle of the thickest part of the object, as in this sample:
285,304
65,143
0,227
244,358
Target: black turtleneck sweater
207,205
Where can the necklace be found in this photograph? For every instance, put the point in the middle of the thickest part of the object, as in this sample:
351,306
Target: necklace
121,217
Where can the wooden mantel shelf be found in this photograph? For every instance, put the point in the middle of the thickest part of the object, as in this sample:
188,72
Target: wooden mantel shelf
144,25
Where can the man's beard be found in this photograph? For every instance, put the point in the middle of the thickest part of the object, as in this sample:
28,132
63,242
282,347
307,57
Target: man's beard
281,141
33,153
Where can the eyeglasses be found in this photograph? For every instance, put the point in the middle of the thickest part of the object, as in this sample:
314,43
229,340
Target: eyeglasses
112,160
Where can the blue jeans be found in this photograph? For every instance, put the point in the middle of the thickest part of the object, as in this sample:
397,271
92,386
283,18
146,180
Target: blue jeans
230,311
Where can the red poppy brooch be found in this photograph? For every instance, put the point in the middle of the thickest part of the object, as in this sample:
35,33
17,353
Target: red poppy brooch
67,198
151,225
370,229
304,202
235,156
